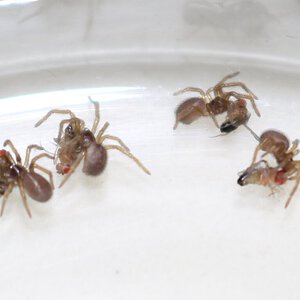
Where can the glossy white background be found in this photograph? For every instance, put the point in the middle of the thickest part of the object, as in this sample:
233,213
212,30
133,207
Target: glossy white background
188,231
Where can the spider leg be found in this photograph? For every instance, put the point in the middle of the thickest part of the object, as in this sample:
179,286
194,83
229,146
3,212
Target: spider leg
257,149
114,138
293,190
213,117
128,154
294,147
252,132
254,106
61,128
243,96
101,131
36,158
208,95
46,171
270,151
24,199
218,87
13,148
33,165
5,197
72,169
239,84
273,190
190,89
28,152
56,155
55,111
228,77
97,115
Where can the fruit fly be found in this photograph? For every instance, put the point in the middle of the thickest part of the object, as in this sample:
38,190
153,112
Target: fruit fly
76,143
216,101
262,174
13,173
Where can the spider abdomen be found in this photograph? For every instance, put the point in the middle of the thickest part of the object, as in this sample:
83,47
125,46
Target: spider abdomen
37,187
95,159
190,110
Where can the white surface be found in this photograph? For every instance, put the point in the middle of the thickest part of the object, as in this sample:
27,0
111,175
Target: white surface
188,231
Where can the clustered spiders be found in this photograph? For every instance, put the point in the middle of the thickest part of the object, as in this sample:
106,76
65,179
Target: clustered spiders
275,143
215,101
76,143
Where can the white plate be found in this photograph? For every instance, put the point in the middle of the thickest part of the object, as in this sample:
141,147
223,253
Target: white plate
188,231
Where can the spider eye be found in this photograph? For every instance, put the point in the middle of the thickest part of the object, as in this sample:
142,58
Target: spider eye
78,149
69,131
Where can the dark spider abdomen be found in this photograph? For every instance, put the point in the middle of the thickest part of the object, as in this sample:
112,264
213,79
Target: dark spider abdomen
37,187
95,159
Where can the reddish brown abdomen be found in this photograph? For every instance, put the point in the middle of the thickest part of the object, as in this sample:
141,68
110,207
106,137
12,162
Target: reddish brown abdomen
95,159
275,141
190,110
37,187
277,138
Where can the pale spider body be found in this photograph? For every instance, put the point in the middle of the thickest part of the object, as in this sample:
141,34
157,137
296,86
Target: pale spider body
262,174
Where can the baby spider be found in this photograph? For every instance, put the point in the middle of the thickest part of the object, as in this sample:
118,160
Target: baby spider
218,103
76,142
262,174
14,173
276,143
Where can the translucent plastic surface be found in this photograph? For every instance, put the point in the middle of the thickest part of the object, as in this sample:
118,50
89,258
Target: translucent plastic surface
188,231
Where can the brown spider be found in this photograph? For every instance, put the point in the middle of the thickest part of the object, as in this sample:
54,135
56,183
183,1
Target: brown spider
276,143
14,173
76,142
208,105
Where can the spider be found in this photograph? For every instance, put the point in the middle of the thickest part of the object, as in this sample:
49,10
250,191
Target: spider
276,143
212,105
14,173
76,142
